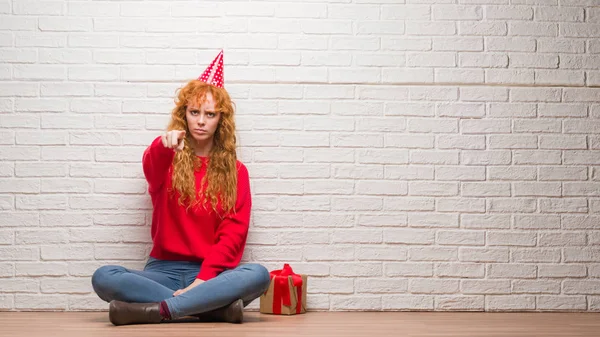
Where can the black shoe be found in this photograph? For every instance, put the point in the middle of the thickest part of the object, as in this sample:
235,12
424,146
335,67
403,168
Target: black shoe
121,313
233,313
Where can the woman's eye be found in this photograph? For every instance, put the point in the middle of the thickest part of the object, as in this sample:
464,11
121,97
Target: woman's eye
211,114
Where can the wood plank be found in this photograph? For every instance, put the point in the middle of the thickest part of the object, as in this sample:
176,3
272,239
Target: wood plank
417,324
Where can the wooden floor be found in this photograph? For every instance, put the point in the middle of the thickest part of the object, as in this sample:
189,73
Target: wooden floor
422,324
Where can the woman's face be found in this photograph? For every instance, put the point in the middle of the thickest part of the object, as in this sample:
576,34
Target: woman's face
202,119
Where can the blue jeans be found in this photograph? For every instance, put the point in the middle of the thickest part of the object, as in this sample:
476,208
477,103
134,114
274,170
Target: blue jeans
160,279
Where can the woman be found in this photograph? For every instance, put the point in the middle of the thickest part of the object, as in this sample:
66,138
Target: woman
201,199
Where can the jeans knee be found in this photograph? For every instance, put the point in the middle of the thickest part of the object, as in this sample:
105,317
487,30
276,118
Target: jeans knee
261,275
102,277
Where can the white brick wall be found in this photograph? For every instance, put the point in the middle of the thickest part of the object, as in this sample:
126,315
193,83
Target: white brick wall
407,155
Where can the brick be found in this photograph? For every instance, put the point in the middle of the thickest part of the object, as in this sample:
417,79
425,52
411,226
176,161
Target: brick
537,222
409,204
395,220
416,172
85,303
563,142
6,270
580,95
566,205
487,287
408,236
381,93
321,26
406,44
460,303
511,173
345,269
485,126
458,13
537,189
540,255
433,286
462,270
66,286
481,221
483,255
580,221
529,157
81,9
355,302
296,42
561,303
405,12
325,285
579,29
63,24
561,240
437,59
380,253
460,238
459,75
509,76
17,23
582,157
460,173
511,239
41,302
575,287
432,254
509,13
460,109
432,189
357,203
410,109
509,303
430,28
482,28
535,95
409,269
356,236
92,40
41,202
466,205
510,205
442,157
14,55
560,77
513,141
408,302
512,270
581,189
485,189
527,60
20,285
511,43
373,285
13,254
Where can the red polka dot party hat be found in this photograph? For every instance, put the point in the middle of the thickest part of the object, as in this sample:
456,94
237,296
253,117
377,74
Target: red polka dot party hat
214,73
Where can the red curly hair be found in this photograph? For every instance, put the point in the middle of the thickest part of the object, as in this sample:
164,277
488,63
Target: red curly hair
220,182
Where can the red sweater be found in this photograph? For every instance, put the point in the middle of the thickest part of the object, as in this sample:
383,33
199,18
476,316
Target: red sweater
197,234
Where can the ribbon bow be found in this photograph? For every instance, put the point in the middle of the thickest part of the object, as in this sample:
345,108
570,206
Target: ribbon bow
281,288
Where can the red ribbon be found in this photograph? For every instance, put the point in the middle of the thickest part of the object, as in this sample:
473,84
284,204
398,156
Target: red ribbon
281,288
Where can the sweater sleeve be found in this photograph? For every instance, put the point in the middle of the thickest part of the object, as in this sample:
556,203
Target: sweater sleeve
156,162
231,234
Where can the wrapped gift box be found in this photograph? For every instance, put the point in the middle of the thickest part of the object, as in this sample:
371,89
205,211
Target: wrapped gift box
286,294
